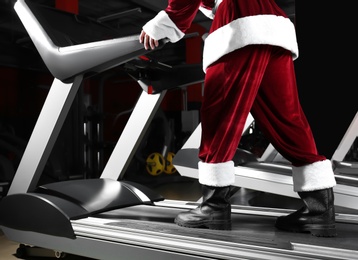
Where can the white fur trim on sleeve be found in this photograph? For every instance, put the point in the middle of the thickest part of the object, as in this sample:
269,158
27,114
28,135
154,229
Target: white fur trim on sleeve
315,176
207,12
161,26
210,13
257,29
217,174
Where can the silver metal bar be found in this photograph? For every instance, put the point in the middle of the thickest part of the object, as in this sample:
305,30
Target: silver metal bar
48,125
97,239
132,135
347,140
67,62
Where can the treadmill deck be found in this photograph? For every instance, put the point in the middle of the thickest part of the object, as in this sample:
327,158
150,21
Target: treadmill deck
252,233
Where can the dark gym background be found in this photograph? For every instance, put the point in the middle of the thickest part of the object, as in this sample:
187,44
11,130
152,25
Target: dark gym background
325,76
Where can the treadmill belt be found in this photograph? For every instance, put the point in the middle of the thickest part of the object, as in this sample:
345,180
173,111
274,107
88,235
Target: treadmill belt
247,229
236,235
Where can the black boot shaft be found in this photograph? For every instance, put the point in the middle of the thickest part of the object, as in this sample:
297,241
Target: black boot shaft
316,217
217,198
318,201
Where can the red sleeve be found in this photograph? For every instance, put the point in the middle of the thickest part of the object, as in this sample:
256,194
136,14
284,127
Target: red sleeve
182,12
209,4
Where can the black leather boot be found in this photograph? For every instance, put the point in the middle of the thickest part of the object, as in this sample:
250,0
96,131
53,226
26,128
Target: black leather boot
214,212
316,217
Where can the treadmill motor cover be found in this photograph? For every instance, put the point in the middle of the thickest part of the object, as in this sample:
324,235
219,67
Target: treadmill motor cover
50,208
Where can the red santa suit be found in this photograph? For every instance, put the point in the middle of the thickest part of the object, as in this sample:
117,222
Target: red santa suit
248,60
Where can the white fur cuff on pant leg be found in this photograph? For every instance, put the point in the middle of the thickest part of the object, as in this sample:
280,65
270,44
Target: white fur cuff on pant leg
315,176
217,174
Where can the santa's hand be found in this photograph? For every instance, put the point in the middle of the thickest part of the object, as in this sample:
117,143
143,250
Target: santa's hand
148,41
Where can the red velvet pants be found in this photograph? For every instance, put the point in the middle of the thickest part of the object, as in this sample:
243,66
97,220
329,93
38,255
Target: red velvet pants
259,79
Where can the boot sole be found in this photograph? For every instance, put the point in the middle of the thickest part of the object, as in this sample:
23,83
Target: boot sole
214,225
314,229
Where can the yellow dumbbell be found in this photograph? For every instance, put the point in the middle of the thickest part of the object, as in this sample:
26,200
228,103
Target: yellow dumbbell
169,167
155,164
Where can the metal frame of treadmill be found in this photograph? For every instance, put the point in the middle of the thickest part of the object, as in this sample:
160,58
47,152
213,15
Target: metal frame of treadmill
93,238
70,64
338,158
347,140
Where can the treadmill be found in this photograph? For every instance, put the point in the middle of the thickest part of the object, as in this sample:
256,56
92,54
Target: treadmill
108,218
274,176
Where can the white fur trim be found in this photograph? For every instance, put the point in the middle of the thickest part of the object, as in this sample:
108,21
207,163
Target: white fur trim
315,176
217,174
210,13
257,29
207,12
161,26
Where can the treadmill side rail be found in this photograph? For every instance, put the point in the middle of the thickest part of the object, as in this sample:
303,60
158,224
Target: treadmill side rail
65,63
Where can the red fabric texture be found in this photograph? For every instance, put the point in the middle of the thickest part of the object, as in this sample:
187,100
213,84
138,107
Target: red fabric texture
256,78
208,4
230,10
182,12
260,79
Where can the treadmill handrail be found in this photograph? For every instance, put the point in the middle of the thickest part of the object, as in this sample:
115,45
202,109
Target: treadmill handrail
65,63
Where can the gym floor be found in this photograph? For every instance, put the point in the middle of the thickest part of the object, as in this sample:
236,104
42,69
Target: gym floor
7,248
8,251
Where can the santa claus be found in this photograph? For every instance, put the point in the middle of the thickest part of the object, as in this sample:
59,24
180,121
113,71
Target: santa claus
248,60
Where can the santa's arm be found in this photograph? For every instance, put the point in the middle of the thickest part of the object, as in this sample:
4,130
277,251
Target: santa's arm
172,22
